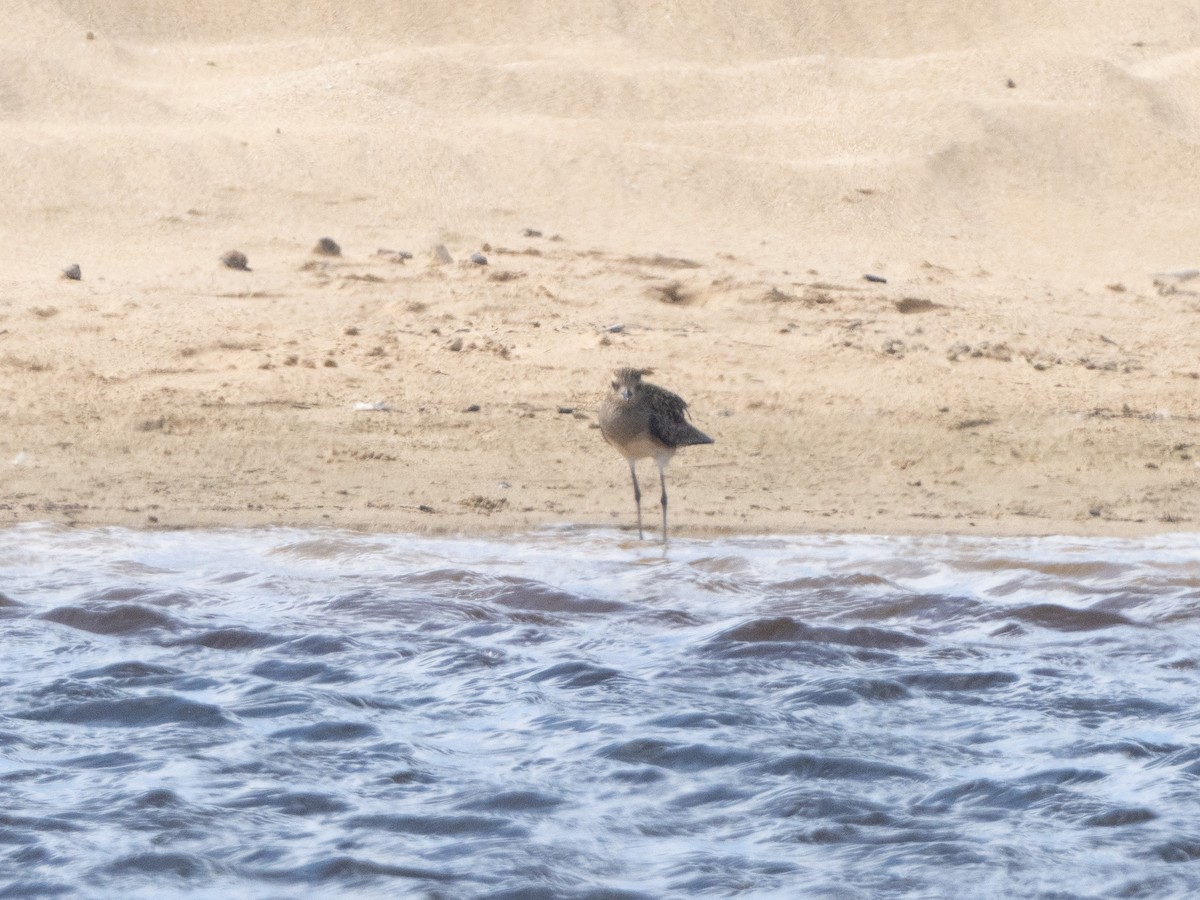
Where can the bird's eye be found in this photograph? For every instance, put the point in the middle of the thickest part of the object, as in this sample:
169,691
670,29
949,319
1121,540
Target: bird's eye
614,385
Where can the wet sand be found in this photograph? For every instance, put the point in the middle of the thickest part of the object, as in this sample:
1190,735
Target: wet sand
710,215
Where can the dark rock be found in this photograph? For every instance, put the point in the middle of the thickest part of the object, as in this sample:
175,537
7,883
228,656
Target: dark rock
236,259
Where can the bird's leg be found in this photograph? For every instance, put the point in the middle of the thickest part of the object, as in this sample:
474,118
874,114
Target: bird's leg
662,478
637,497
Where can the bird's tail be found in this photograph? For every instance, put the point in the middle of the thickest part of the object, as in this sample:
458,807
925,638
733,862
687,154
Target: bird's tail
691,435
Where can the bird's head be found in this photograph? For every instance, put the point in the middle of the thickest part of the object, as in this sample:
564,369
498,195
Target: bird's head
627,382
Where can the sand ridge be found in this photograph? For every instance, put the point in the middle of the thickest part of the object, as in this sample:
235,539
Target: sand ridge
717,187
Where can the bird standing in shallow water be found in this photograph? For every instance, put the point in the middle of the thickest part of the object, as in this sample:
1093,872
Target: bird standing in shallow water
641,419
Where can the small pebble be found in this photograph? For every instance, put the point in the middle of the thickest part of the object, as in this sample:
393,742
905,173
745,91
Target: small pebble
532,232
615,329
73,272
327,247
479,259
878,279
236,259
566,410
474,407
455,345
440,255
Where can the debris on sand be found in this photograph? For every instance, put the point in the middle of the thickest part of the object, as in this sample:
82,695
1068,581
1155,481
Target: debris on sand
236,259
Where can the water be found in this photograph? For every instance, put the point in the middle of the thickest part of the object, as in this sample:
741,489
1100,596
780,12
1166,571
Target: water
284,713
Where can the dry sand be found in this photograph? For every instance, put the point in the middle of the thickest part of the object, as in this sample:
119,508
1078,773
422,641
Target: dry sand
714,178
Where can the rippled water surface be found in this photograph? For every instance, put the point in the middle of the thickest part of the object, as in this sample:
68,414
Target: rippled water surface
286,713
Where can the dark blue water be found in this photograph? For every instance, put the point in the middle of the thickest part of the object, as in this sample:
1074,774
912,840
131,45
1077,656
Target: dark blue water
286,713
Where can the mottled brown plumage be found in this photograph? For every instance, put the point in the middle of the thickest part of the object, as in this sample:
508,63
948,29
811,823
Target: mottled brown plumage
644,420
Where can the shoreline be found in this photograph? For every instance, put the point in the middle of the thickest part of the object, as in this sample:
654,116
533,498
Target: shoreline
966,416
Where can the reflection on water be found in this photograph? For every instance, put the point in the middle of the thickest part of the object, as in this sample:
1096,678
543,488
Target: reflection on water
283,713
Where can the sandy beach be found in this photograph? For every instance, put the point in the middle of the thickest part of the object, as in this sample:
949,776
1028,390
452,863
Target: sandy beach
699,193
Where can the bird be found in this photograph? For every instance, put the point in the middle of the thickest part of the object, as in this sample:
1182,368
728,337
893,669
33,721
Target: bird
644,420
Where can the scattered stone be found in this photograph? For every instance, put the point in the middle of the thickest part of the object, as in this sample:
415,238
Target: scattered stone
236,259
425,509
894,347
474,407
350,331
985,350
91,36
1010,83
327,247
532,233
479,259
377,406
877,279
455,345
566,410
72,272
439,255
910,305
615,329
331,363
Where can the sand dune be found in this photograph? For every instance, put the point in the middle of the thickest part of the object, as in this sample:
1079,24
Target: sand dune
1022,167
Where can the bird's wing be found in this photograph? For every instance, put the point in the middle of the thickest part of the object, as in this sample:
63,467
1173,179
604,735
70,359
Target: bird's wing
668,416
